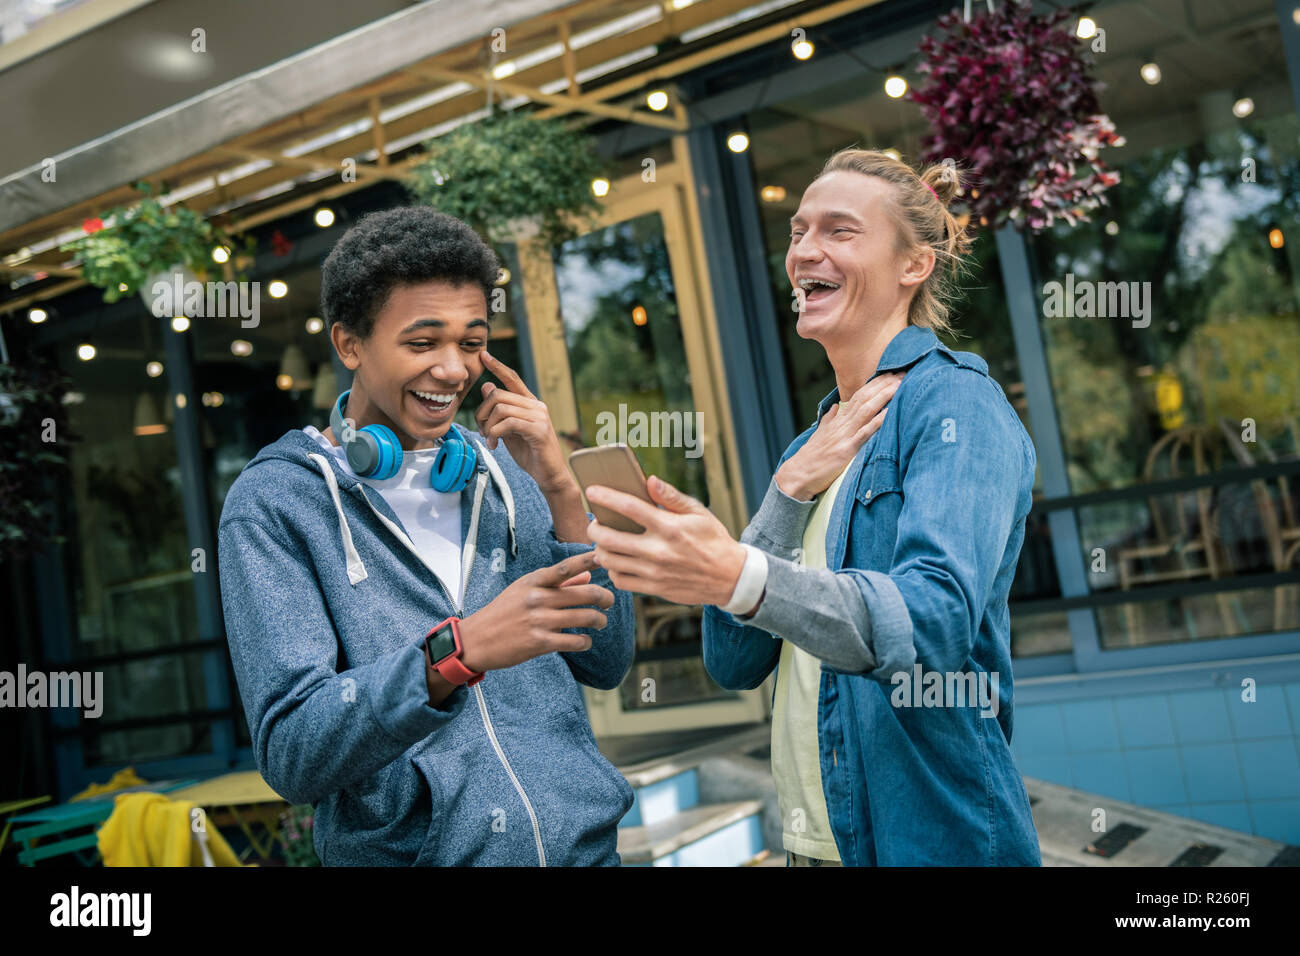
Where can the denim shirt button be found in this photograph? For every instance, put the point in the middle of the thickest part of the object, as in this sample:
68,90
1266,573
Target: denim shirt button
868,492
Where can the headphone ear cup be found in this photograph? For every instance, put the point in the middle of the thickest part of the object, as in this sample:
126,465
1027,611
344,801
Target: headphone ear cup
454,465
361,452
389,452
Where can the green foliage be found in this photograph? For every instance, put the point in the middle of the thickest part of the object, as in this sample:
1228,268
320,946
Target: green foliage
511,167
29,396
146,239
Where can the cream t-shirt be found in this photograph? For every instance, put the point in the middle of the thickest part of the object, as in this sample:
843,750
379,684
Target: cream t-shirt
796,765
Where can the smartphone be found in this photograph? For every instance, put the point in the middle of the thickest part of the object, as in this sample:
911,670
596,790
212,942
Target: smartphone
616,467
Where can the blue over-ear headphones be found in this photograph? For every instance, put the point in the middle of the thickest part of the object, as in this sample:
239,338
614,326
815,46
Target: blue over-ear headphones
375,452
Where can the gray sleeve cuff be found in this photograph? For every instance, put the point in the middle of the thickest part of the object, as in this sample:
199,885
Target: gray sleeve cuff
891,639
779,525
820,611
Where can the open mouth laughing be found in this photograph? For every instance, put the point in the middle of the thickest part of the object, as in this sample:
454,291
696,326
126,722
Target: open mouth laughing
434,404
816,290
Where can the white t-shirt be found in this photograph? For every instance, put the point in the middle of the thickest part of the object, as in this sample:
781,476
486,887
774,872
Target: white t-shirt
430,518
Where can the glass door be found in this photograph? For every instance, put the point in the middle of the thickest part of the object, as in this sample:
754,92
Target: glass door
626,351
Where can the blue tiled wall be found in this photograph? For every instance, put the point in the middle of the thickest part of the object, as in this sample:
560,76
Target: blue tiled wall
1205,754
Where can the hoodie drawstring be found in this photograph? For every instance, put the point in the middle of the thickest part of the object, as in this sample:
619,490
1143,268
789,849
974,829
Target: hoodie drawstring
498,476
356,570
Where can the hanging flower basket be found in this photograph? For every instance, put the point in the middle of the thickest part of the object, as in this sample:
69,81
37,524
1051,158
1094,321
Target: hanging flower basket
176,273
1010,95
511,177
147,239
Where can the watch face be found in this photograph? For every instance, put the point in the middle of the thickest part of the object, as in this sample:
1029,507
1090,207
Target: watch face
441,643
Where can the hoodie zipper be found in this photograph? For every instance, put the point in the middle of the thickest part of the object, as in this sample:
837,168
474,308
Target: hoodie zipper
467,563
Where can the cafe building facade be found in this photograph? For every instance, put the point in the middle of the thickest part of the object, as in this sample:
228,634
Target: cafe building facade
1155,616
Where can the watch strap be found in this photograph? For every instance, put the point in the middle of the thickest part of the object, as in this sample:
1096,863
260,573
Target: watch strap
457,673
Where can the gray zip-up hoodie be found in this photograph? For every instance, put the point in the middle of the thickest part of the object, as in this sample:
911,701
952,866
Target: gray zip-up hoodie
326,606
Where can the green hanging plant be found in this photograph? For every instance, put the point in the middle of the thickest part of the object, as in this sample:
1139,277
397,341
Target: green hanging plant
146,239
512,175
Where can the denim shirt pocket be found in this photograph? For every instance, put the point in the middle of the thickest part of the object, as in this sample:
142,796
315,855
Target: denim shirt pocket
879,502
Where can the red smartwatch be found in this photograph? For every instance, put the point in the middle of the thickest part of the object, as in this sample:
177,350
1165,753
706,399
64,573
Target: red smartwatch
443,650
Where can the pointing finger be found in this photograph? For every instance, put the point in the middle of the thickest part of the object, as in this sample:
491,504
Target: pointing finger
509,377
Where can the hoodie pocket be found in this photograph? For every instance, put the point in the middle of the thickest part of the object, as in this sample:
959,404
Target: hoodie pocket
476,816
591,783
432,793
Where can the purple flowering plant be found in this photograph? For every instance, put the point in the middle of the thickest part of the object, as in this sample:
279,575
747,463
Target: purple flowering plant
1010,96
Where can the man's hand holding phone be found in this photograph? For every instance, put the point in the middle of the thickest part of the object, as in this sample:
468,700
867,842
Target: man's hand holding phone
684,554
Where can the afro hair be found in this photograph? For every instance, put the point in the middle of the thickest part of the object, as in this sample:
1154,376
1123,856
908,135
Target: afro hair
402,246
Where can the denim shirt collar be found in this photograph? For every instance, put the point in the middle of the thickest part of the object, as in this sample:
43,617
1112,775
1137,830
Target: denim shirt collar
906,348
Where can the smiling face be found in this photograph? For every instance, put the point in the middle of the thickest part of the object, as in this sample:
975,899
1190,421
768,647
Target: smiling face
423,355
844,260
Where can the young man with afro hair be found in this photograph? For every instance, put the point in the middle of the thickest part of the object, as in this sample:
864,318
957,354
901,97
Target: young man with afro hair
409,657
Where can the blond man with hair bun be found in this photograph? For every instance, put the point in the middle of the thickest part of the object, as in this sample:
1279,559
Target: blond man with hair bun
875,575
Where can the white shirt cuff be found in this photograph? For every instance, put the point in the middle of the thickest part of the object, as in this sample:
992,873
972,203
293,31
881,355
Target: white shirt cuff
749,587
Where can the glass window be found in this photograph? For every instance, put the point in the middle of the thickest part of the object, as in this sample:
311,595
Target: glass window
623,332
626,351
129,565
164,685
1167,321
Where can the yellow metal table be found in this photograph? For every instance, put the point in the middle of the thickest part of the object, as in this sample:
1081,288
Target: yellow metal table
243,799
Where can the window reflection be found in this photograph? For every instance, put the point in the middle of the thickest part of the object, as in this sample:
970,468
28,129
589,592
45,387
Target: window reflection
1196,383
624,337
257,383
618,303
129,565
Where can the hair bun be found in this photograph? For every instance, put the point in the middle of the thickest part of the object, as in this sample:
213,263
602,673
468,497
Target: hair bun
944,180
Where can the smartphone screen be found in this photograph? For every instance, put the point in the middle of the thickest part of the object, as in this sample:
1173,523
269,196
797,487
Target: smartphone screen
614,466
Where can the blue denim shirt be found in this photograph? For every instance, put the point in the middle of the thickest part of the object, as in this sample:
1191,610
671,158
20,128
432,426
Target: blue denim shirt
928,523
